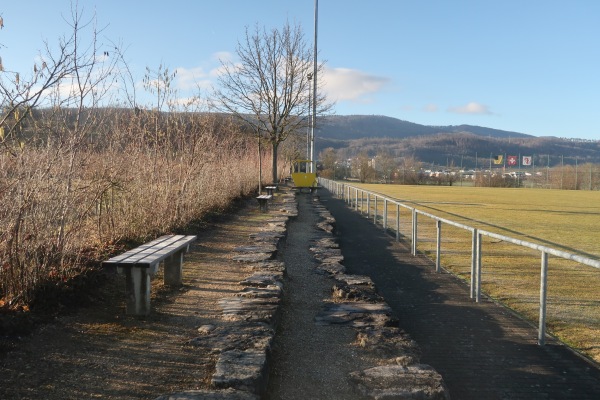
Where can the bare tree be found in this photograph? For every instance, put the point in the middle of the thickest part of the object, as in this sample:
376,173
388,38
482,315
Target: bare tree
270,88
329,160
385,165
364,168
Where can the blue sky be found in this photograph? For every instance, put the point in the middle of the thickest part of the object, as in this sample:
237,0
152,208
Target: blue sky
529,66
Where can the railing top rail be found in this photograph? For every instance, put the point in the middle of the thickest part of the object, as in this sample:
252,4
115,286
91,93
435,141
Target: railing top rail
558,253
383,196
447,221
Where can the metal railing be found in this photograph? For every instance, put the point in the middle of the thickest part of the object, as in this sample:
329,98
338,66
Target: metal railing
356,198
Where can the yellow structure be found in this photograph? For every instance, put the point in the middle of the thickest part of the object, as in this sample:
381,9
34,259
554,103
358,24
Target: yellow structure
301,176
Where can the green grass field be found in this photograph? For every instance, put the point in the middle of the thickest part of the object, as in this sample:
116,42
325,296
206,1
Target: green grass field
564,220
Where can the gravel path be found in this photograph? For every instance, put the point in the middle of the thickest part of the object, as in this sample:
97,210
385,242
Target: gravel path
309,361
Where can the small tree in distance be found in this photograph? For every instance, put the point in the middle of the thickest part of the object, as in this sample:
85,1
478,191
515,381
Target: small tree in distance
328,160
269,88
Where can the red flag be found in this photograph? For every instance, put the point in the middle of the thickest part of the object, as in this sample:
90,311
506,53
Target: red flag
512,160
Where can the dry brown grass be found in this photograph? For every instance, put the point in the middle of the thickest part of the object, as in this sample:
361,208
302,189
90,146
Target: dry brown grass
130,180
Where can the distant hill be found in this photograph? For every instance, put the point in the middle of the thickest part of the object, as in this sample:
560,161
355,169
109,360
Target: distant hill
348,127
482,131
460,145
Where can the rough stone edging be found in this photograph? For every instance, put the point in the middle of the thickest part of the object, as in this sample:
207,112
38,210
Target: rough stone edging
242,348
355,302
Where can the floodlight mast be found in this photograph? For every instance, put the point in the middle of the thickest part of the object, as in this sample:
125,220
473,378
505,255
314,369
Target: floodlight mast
308,131
314,102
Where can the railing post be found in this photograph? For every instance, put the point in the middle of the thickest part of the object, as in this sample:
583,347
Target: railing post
356,199
473,260
478,268
368,204
414,232
385,214
375,212
397,222
438,263
350,199
362,202
543,298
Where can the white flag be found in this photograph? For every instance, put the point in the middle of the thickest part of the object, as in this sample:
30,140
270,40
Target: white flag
527,160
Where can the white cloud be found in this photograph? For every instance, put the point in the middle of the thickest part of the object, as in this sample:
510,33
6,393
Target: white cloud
220,70
203,77
223,56
189,103
471,108
189,79
431,108
344,84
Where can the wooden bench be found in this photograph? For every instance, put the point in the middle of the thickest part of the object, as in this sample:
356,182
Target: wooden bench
141,263
270,190
263,201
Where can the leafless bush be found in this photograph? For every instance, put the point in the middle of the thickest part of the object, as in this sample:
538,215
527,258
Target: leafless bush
496,180
77,175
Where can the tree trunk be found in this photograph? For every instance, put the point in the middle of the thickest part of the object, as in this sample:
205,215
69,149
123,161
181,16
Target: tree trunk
259,167
274,172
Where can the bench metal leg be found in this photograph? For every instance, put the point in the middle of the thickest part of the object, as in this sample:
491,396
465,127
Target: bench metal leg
174,270
137,281
264,205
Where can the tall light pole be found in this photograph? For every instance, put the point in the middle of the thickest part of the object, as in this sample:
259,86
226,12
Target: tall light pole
308,129
314,103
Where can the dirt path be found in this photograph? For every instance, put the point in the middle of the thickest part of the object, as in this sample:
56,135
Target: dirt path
99,352
309,361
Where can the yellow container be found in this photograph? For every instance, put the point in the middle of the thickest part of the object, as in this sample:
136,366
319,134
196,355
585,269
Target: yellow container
300,175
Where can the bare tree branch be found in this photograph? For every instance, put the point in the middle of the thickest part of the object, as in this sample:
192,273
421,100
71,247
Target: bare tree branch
270,88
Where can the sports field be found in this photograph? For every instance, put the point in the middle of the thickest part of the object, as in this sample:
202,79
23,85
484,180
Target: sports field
563,220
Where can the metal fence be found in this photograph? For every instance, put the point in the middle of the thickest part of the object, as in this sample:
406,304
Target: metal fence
426,235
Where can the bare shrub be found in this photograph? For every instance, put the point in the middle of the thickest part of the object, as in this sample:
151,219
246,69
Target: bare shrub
55,211
76,176
496,180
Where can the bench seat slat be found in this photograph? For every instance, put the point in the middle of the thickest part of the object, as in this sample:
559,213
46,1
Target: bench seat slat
145,248
152,252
